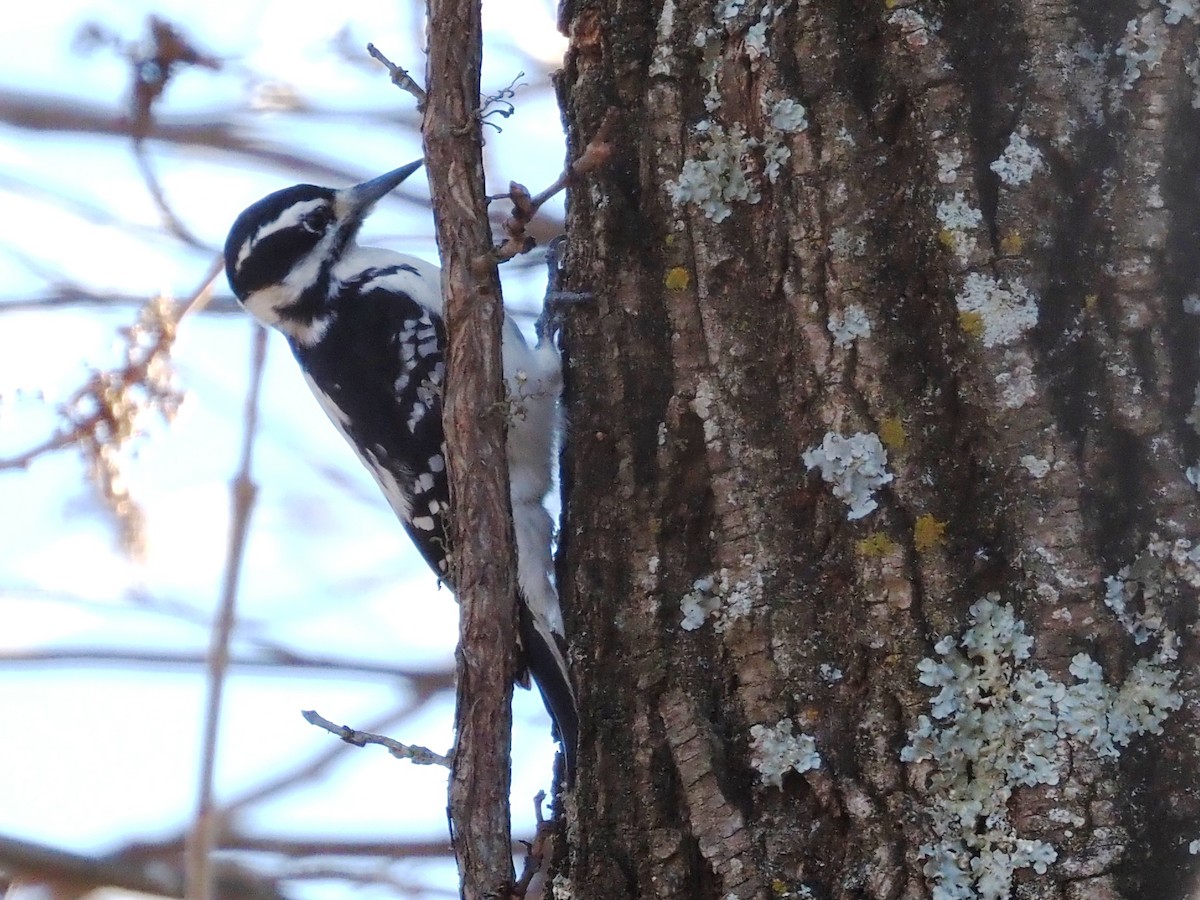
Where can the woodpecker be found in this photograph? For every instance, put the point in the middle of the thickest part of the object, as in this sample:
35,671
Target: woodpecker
365,325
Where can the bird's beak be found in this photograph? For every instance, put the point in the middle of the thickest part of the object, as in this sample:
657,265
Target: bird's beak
357,201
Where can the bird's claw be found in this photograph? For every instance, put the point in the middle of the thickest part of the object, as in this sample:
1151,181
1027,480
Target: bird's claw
557,301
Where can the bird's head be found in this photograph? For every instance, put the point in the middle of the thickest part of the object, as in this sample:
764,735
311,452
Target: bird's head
281,251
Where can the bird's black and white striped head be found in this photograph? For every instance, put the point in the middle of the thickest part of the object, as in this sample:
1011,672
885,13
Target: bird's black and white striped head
282,251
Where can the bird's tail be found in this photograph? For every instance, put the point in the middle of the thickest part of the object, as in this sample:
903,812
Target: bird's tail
545,655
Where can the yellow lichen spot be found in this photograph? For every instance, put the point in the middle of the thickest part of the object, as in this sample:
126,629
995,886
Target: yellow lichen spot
948,239
876,546
928,533
677,279
889,4
1090,301
971,322
1012,243
892,433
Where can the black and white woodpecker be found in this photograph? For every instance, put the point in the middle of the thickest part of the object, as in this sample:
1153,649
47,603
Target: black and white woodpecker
365,325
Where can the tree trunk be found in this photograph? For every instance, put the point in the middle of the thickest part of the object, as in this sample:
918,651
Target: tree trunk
879,552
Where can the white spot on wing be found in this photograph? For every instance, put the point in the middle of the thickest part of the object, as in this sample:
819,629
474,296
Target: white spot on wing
415,417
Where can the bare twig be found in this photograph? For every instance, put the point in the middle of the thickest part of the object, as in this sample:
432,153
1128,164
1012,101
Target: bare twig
313,768
598,153
199,871
304,774
378,878
401,78
57,441
422,756
63,198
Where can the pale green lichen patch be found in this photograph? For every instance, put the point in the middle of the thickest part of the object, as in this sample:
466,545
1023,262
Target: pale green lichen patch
1019,161
855,466
1178,10
1154,576
777,750
997,724
849,325
959,220
1005,312
730,161
914,27
1142,47
948,163
717,178
722,596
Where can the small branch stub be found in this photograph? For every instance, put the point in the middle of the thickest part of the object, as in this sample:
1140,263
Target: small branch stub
597,154
400,77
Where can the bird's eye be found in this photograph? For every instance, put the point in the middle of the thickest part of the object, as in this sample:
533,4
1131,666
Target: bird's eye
316,221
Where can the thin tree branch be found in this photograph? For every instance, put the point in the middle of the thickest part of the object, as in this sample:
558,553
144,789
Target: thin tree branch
425,681
421,756
482,563
152,65
199,869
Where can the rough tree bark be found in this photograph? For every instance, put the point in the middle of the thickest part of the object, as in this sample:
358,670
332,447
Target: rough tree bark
959,236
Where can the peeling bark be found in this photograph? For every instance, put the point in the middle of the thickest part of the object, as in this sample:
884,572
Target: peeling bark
979,247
